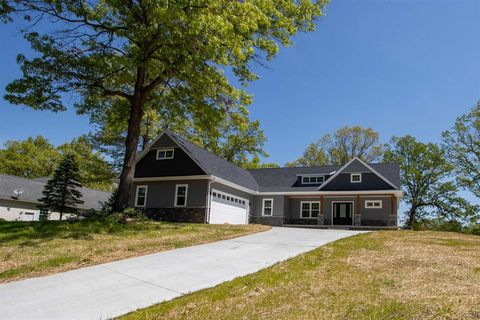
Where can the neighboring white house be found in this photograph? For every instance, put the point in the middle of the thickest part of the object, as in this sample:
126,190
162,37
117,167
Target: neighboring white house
19,199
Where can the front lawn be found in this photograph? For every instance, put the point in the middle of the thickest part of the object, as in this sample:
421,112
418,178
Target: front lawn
29,249
379,275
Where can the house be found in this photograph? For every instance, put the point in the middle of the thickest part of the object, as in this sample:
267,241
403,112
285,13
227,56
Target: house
19,199
177,180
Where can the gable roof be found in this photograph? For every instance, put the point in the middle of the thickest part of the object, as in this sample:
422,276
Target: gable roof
268,179
209,162
284,179
359,163
32,191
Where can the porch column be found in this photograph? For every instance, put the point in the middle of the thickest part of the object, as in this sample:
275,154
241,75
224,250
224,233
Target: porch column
358,216
321,215
392,221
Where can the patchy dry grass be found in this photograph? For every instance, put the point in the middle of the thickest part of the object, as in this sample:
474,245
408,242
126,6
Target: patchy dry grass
380,275
29,249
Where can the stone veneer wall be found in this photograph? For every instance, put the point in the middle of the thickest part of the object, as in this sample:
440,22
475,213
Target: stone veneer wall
271,221
191,215
391,221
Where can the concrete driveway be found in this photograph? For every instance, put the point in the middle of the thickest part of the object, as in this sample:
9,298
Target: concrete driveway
113,289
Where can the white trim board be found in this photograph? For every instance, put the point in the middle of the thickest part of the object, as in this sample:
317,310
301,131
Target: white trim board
176,195
136,196
362,162
263,207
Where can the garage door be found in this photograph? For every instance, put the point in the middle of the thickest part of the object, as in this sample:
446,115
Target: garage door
227,208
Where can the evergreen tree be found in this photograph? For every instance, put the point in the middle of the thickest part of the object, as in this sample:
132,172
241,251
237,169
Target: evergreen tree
60,193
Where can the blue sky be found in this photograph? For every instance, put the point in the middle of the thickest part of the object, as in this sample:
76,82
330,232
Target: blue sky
400,67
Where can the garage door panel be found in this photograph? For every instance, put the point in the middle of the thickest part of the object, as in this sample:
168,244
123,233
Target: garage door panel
226,208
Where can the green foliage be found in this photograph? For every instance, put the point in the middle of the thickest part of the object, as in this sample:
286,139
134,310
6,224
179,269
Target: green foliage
37,157
95,172
233,136
462,144
60,193
425,176
30,158
341,147
176,54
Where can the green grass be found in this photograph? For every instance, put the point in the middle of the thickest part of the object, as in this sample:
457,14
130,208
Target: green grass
29,249
379,275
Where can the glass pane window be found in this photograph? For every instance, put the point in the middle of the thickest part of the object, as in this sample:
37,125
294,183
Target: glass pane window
313,179
181,196
141,196
310,209
267,207
356,177
164,154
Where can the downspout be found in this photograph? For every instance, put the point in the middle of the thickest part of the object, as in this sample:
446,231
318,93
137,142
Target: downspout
209,200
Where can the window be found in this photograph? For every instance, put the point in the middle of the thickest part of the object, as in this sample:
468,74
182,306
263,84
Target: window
355,177
267,209
309,209
141,196
313,179
373,204
181,195
164,154
43,215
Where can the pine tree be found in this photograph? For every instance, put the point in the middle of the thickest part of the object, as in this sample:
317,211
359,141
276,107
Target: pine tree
60,193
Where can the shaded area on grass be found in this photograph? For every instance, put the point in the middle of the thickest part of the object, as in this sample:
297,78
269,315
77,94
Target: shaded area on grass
30,249
380,275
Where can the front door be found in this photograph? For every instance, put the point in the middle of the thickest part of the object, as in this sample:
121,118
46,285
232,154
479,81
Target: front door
343,213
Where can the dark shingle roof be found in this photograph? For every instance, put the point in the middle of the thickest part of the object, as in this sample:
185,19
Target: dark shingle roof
283,179
268,179
32,191
215,165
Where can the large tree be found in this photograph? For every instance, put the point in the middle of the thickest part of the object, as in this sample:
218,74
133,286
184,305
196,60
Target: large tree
426,180
60,193
339,148
233,137
30,158
37,157
136,51
462,143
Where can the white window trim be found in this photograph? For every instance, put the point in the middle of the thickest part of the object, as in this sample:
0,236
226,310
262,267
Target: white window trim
355,174
314,176
310,209
166,158
369,204
176,195
263,207
136,195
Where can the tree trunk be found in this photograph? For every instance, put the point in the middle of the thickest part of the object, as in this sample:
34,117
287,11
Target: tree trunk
123,195
412,215
61,214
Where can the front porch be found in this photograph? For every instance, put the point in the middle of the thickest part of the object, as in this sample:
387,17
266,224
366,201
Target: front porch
360,211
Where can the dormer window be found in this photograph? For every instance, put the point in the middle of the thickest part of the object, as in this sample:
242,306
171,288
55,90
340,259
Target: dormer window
355,177
313,179
164,154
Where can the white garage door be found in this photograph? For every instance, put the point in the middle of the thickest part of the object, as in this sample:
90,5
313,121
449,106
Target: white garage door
227,208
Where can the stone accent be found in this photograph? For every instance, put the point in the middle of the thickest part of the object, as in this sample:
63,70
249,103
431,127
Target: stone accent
321,219
357,220
190,215
301,221
392,221
271,221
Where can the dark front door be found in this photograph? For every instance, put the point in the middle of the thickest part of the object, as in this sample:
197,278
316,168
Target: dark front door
343,213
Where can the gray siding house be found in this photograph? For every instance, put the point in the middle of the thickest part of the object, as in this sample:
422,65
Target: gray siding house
176,180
